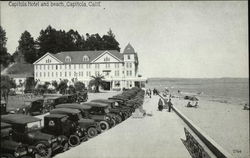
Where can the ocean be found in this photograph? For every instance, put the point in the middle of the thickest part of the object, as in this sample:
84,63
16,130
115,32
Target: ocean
225,90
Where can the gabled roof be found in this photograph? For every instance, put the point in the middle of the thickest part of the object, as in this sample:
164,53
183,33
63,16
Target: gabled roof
77,56
129,49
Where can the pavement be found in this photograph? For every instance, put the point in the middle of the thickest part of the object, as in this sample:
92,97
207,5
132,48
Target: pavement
149,137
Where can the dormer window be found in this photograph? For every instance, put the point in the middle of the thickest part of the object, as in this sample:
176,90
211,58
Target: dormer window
85,58
67,59
128,56
48,61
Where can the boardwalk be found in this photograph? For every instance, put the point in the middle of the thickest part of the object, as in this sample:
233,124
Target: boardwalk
157,136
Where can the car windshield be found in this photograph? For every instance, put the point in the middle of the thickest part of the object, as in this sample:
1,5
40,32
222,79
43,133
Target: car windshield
33,125
50,101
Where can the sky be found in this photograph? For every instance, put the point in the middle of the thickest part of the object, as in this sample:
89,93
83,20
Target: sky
186,39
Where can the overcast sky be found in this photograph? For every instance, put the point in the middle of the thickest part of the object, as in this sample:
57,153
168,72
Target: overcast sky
173,39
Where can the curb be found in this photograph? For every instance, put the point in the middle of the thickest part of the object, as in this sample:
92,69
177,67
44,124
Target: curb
215,148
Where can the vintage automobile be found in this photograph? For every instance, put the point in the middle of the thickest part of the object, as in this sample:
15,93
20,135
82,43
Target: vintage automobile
12,149
100,112
27,129
89,125
32,107
71,98
114,107
122,102
58,124
82,96
75,115
51,102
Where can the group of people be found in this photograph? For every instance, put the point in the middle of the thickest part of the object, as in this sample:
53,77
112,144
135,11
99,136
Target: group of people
149,92
165,103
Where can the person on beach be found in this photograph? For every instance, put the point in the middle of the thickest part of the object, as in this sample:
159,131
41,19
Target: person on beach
160,105
189,104
150,93
169,105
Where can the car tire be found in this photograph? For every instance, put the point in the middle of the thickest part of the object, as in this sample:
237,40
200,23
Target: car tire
113,121
43,151
74,140
104,126
7,156
119,118
92,132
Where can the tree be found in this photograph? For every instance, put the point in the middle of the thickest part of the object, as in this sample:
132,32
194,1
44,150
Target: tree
30,84
62,87
55,84
4,55
72,89
6,84
109,41
27,47
97,81
79,86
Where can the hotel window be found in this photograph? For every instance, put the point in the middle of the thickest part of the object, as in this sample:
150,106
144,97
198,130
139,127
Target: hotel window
44,67
56,67
60,66
65,74
70,74
107,65
48,74
56,74
40,74
52,74
68,59
60,74
107,59
130,73
69,66
116,65
44,74
74,66
128,56
97,66
130,65
36,74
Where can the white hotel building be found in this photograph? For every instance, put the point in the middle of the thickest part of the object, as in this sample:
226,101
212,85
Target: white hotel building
119,69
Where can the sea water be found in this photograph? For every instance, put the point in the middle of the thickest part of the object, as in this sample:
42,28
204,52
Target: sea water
225,90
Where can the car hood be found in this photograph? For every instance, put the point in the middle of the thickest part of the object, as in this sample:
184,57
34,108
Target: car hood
38,135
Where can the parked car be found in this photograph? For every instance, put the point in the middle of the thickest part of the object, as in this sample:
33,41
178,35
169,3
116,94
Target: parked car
71,98
115,108
51,102
87,124
74,116
27,129
99,112
32,107
82,96
122,102
12,149
58,125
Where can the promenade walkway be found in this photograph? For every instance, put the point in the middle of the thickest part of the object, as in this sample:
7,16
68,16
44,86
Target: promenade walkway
158,136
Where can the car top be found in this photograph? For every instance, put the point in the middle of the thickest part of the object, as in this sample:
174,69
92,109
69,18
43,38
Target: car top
95,104
18,119
64,111
103,100
34,99
71,106
5,125
59,116
54,97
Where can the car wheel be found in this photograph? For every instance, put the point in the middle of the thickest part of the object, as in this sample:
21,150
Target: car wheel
74,140
43,151
104,126
7,156
92,132
119,118
113,122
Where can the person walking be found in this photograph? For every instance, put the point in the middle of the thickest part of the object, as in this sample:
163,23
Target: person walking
160,105
169,105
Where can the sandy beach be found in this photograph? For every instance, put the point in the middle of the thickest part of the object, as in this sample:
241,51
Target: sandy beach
227,124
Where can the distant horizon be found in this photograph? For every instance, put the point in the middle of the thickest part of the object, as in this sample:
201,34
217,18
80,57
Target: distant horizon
198,78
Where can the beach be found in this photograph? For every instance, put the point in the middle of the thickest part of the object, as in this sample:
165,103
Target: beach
227,124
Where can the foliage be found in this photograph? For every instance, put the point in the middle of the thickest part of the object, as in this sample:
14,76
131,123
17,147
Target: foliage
26,47
55,84
97,81
30,84
5,57
6,84
71,89
62,87
79,86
